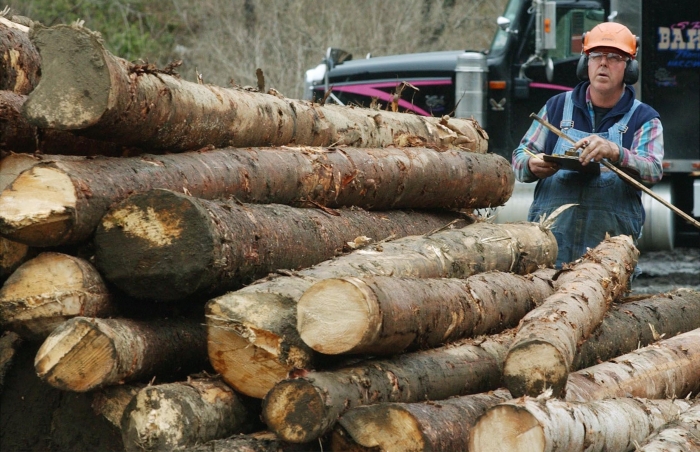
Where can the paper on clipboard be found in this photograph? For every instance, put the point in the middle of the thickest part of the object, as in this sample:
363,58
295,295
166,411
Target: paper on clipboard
571,163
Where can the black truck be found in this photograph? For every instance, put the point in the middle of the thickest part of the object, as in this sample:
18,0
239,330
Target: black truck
533,56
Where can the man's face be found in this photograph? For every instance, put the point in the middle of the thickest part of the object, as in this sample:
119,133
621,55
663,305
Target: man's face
606,74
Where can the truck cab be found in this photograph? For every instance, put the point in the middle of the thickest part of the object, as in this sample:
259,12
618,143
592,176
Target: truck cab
533,56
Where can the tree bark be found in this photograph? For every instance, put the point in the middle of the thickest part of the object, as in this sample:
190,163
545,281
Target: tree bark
412,427
20,68
171,416
636,324
63,201
252,335
254,442
83,353
385,314
679,435
18,135
549,335
50,289
302,409
137,105
555,425
111,401
165,245
665,369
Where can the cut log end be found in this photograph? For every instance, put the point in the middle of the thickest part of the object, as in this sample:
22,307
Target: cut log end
295,411
506,428
533,367
38,208
389,428
75,93
338,315
63,363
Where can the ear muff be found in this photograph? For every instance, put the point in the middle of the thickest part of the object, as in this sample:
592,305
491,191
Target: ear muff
631,72
582,66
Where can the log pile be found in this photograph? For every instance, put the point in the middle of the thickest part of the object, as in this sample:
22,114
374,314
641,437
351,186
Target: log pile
276,274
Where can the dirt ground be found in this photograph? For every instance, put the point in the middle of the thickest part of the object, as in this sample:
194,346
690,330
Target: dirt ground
664,271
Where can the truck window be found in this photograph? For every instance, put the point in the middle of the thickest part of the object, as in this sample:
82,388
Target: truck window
571,24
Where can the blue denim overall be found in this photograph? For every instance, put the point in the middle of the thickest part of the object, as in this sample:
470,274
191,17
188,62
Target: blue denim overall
605,204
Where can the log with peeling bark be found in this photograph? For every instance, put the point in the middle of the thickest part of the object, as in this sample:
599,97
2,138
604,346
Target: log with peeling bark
668,368
17,134
413,427
166,245
252,337
636,324
528,424
111,401
302,409
253,442
548,336
385,314
63,201
175,415
50,289
83,353
20,64
679,435
136,104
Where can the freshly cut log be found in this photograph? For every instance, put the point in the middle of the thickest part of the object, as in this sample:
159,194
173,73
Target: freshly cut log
549,335
84,353
385,314
111,401
18,135
252,337
50,289
680,435
63,201
12,255
135,104
169,245
20,68
171,416
9,343
665,369
412,427
302,409
629,326
253,442
528,424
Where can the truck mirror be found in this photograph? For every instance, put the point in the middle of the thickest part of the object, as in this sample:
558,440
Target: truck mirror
503,23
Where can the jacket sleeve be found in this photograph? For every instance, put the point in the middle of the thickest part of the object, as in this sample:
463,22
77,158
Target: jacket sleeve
534,141
646,153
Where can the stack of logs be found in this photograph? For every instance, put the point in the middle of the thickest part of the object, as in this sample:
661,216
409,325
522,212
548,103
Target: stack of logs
200,258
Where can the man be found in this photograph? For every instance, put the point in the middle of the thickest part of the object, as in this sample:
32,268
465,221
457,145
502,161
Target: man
603,117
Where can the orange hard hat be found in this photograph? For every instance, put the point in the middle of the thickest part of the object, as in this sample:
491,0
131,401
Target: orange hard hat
610,34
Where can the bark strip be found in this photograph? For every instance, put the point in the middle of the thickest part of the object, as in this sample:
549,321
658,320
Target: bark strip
138,105
549,335
20,64
166,245
555,425
50,289
384,314
302,409
252,335
83,353
63,201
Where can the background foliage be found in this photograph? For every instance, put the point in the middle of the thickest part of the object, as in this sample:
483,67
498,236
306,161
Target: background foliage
226,40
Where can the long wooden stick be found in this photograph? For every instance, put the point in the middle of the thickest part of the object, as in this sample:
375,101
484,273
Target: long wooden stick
620,173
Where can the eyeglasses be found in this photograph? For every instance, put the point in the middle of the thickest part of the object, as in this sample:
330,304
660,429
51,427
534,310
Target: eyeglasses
612,57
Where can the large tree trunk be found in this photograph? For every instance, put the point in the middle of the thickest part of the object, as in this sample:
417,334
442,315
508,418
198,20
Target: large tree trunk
20,68
549,335
552,425
636,324
254,442
50,289
665,369
63,201
413,427
171,416
679,435
252,335
166,245
131,104
18,135
302,409
88,353
385,314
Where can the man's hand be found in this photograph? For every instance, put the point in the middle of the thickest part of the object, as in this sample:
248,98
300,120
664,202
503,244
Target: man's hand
540,168
596,148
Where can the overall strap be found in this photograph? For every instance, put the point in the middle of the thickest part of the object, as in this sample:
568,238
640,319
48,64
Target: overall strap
622,124
566,121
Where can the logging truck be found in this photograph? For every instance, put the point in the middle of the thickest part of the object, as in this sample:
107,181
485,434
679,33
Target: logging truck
532,57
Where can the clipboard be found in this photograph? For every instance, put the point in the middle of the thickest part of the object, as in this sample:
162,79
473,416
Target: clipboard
571,163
